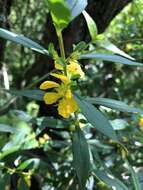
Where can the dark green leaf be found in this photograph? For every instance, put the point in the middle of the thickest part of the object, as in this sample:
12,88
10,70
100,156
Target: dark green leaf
34,94
96,118
134,177
4,181
6,128
76,6
111,181
23,185
111,58
20,39
113,104
81,158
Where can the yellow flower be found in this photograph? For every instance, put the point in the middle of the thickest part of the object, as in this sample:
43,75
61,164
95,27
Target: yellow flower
48,84
67,106
63,78
62,94
74,68
51,97
58,66
141,122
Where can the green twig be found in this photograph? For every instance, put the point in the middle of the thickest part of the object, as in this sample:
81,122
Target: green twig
62,50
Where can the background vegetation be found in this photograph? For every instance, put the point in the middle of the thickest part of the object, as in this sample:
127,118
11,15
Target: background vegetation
35,143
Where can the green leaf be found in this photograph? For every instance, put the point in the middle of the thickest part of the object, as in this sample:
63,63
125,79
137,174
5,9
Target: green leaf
110,58
134,177
102,41
20,39
4,181
81,158
30,164
91,26
111,181
96,118
76,7
113,104
34,94
60,13
22,184
6,128
22,115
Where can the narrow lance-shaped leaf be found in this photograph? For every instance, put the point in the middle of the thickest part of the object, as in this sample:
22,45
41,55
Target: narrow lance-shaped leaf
76,7
113,104
34,94
20,39
111,58
96,118
6,128
91,26
81,158
111,181
104,42
134,177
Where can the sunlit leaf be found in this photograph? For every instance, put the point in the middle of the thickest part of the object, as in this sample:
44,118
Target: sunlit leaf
60,13
6,128
119,124
105,43
91,26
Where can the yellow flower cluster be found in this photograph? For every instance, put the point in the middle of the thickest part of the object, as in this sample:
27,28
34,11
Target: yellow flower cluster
62,93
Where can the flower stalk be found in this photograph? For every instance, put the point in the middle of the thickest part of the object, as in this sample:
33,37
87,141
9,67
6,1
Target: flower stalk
62,50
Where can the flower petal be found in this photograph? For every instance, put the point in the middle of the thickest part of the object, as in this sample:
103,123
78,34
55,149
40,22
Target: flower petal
51,97
74,68
63,78
67,106
58,66
48,84
68,94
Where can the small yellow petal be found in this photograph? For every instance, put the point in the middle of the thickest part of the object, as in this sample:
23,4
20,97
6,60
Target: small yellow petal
51,97
66,107
63,78
58,66
48,84
141,122
74,68
68,94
